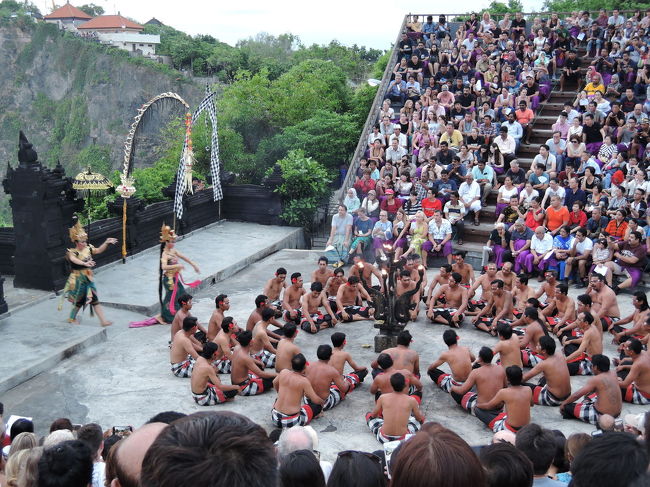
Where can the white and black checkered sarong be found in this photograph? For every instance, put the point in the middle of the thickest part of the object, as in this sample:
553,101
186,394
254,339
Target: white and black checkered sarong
183,369
302,418
635,396
210,397
266,357
223,366
544,397
375,425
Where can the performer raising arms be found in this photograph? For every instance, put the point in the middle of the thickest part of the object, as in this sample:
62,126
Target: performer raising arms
80,288
170,275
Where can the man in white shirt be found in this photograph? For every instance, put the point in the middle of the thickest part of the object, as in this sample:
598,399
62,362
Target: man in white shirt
395,153
557,147
554,189
580,255
397,134
615,19
484,176
470,196
540,245
507,143
547,160
439,243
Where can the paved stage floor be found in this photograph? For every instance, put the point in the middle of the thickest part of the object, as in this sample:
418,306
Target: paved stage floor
126,379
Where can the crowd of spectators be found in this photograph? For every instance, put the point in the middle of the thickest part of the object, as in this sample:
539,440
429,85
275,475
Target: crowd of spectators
227,449
460,105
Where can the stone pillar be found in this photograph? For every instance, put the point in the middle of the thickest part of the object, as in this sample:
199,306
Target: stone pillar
42,203
3,303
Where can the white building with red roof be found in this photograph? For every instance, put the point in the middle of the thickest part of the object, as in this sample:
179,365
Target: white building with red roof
67,17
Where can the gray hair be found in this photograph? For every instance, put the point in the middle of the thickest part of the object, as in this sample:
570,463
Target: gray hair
292,439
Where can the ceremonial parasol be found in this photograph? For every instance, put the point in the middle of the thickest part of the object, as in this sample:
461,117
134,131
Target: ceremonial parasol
87,183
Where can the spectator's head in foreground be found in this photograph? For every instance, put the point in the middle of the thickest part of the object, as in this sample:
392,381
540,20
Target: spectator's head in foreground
221,448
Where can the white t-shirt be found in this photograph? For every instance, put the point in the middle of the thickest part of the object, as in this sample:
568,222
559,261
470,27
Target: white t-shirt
541,246
506,194
582,247
551,192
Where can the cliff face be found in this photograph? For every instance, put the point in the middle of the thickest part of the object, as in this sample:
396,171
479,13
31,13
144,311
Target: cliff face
75,101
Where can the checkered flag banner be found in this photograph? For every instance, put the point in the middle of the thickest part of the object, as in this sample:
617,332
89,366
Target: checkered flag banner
208,105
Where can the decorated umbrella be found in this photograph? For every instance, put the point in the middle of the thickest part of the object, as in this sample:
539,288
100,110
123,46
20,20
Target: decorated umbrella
88,183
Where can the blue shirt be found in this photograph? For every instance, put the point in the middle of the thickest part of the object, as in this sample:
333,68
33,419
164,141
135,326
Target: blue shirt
570,197
486,173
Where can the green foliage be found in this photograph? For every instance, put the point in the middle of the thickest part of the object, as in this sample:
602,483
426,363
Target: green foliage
44,108
592,5
305,184
380,66
92,9
327,137
512,6
70,130
309,86
245,107
353,61
97,157
362,100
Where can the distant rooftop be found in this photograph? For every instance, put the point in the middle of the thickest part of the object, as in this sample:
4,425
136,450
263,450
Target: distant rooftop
68,12
110,22
153,21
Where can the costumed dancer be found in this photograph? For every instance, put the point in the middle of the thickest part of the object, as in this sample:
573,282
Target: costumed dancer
170,275
80,288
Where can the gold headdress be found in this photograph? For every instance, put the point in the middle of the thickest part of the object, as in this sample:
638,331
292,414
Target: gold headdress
78,233
167,234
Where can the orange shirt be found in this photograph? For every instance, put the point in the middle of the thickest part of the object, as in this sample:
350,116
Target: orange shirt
617,231
524,117
556,218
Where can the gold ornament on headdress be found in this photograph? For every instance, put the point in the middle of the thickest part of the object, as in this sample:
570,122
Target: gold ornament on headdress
167,234
78,233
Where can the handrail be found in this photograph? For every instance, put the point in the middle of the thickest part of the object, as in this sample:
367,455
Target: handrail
501,14
370,121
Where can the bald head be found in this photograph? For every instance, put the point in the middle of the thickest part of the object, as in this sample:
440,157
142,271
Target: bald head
131,452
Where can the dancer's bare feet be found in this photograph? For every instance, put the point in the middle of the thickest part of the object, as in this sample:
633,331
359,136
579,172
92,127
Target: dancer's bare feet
106,323
74,322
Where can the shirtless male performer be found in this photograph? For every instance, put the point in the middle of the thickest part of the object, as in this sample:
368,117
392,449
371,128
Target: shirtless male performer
245,371
322,273
548,288
340,357
459,360
635,386
604,300
221,304
456,298
507,276
205,380
517,399
522,293
261,347
185,302
182,354
571,329
226,341
290,407
529,344
261,302
508,346
381,383
487,380
396,414
286,348
328,384
291,299
498,307
555,385
440,279
565,306
405,284
465,270
579,350
348,302
313,319
637,318
274,287
403,356
414,266
602,395
484,282
364,269
333,285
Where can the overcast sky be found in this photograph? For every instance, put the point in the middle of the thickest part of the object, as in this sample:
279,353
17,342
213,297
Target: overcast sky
373,24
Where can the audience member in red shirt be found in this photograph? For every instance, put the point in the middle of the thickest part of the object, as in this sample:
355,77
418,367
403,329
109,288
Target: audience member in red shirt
577,217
